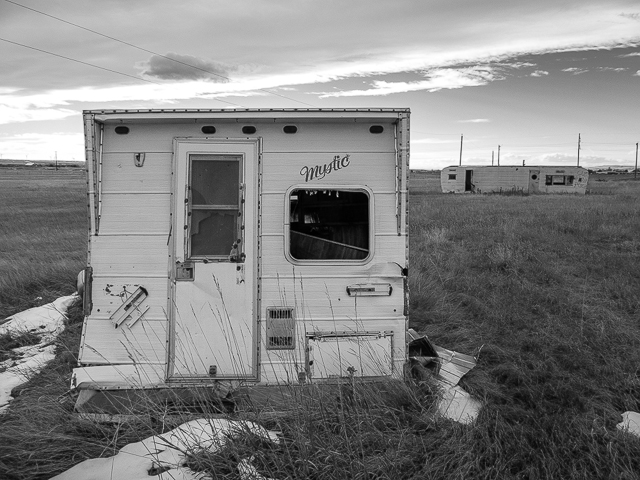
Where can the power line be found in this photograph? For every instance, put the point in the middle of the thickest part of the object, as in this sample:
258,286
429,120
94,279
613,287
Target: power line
79,61
149,51
97,66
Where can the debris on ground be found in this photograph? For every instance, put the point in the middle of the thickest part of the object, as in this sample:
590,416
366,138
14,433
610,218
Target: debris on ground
630,423
164,456
447,367
45,322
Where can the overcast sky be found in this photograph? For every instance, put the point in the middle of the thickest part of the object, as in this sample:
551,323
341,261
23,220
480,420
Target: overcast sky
528,76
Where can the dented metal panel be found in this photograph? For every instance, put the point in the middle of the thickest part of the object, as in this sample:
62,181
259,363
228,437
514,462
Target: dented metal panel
349,354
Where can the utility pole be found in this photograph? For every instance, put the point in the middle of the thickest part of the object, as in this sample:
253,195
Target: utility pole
498,155
635,170
578,150
56,160
461,137
492,152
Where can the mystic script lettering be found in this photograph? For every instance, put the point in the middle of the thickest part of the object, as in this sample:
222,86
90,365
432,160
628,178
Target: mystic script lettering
318,172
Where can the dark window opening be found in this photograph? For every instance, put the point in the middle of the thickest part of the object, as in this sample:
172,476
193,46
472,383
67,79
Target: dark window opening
452,176
329,225
290,129
122,130
214,206
248,129
559,180
376,129
534,177
209,129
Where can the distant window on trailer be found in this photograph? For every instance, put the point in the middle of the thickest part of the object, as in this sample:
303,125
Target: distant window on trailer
452,176
329,224
214,205
559,180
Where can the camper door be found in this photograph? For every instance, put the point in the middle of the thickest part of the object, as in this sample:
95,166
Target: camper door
213,284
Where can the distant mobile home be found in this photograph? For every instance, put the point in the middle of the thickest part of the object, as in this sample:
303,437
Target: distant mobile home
250,246
489,179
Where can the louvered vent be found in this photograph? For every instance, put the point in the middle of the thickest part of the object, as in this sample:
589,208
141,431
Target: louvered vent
281,328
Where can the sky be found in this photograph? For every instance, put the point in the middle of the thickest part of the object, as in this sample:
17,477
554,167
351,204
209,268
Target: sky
530,81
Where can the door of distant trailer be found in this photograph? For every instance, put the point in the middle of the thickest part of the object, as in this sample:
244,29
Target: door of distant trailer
534,181
213,284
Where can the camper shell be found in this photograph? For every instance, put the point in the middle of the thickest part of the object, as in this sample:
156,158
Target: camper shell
526,179
260,247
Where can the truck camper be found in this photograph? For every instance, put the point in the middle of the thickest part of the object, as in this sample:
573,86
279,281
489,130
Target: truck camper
244,247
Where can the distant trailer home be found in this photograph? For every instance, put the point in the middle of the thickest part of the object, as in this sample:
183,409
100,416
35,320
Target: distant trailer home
534,179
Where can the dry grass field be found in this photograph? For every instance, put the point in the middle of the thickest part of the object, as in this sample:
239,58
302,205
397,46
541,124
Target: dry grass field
544,289
43,235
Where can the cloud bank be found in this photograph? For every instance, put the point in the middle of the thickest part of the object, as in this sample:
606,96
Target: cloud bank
185,67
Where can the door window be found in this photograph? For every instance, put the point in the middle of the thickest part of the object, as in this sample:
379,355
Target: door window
215,206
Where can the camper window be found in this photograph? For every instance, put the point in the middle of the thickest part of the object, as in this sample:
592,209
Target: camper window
214,205
329,224
452,176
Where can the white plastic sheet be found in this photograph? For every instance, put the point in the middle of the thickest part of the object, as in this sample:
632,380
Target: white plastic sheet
167,452
47,322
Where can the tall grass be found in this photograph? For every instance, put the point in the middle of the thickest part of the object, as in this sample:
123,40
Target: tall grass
549,286
43,225
544,288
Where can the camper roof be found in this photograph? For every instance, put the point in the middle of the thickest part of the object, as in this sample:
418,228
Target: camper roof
232,115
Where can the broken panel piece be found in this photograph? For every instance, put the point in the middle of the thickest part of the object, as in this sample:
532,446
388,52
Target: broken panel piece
129,307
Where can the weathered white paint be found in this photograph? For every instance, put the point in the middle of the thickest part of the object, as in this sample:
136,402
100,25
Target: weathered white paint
526,179
218,319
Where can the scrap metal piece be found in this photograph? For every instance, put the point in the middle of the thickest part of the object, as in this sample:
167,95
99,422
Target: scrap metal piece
129,307
448,367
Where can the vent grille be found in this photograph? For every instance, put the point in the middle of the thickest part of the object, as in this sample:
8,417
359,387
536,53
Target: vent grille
281,328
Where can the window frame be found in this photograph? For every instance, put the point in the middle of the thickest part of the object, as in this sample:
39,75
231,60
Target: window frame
346,188
239,221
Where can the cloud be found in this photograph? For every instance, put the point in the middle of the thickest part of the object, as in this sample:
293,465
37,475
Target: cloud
632,16
43,146
539,73
434,141
518,64
633,54
185,67
437,79
12,114
612,69
475,120
575,70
